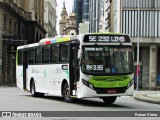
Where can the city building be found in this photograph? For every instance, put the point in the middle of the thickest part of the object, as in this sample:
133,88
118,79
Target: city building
71,25
104,22
81,9
110,16
77,8
50,17
85,11
67,23
140,19
63,20
21,22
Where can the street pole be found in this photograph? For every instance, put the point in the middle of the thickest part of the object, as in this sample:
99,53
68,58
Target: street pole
97,15
138,66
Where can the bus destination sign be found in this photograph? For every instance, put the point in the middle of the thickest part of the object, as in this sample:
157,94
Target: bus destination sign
107,38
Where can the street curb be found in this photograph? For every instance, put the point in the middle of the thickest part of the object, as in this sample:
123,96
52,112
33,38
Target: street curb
8,86
146,98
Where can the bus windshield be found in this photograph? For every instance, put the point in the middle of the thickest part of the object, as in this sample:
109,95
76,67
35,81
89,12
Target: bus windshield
107,60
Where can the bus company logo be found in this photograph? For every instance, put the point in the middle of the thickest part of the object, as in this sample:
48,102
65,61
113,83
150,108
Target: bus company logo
6,114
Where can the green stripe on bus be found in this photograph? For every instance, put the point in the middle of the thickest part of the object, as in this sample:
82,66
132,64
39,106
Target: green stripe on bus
110,81
67,74
17,58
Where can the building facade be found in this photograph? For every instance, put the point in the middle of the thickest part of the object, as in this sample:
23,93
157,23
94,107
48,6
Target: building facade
67,23
140,19
105,20
85,11
81,9
50,17
21,22
63,20
110,17
77,8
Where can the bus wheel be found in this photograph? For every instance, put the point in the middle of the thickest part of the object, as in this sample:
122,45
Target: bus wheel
33,91
109,100
66,94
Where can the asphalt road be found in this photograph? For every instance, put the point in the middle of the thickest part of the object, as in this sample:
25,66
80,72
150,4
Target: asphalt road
14,99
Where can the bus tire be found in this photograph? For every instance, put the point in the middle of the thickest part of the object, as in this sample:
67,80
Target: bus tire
109,100
33,91
66,94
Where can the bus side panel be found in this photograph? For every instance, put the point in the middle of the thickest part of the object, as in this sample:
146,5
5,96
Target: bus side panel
35,72
19,76
55,76
48,78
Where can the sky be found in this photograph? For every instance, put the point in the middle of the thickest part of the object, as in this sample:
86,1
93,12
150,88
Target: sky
68,4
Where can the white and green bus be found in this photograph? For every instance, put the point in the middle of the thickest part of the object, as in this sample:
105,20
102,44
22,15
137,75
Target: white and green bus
82,66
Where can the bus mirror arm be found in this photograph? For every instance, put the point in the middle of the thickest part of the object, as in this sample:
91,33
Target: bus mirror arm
79,58
79,62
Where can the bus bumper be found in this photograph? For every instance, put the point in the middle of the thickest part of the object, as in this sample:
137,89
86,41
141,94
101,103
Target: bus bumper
86,92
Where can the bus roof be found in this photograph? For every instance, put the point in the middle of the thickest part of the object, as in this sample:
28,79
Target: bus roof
63,38
46,41
60,38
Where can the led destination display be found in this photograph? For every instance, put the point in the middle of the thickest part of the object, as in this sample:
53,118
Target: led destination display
107,38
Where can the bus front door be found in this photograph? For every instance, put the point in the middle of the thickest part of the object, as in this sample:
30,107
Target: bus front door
73,66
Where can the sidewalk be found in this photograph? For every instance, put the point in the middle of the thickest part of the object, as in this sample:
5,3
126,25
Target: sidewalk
147,96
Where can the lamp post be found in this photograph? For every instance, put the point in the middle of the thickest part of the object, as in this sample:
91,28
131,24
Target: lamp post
138,66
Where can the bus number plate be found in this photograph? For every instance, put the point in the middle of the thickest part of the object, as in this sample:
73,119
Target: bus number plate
111,91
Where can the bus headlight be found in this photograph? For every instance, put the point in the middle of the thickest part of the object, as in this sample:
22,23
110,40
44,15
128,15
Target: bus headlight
91,86
86,83
130,84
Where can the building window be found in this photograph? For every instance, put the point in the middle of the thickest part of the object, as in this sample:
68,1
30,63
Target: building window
15,28
5,22
10,26
100,27
49,17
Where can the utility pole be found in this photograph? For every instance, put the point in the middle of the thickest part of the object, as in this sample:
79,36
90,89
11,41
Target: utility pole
94,11
97,15
138,66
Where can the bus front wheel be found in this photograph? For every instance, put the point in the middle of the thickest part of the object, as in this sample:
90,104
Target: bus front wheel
109,100
66,94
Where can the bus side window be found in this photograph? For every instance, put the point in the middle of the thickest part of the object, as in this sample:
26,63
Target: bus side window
20,59
38,58
64,53
31,56
54,53
45,54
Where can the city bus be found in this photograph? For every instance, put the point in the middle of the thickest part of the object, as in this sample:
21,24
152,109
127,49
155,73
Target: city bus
91,65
